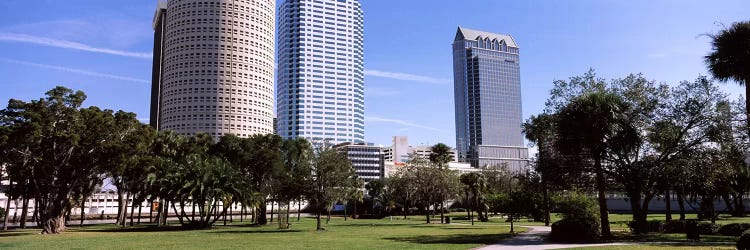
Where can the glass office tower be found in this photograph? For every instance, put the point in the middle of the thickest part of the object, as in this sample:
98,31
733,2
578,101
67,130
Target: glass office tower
487,93
320,77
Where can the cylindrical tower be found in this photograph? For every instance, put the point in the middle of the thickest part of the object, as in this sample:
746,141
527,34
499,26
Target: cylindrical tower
217,67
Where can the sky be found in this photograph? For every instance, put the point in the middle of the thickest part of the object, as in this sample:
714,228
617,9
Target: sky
103,47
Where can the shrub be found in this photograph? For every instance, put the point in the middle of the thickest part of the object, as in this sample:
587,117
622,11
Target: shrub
692,231
734,229
580,219
653,226
707,228
743,243
674,227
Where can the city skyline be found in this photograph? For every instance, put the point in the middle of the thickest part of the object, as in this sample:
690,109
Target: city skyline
43,50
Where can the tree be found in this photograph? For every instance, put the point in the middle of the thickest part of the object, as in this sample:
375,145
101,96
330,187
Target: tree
475,187
586,125
514,205
55,136
441,155
332,175
730,57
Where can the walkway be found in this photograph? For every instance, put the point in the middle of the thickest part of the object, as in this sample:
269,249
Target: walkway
534,240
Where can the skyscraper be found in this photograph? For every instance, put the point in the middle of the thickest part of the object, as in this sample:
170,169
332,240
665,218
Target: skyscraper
487,93
213,67
320,77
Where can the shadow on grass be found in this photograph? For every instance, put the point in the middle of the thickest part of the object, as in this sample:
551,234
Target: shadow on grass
672,238
254,232
483,239
17,233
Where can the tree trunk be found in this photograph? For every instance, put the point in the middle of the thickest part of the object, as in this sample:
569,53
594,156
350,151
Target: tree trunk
24,211
132,211
299,209
354,213
442,212
681,205
328,219
140,209
471,217
83,210
601,186
428,214
345,215
288,210
317,216
546,203
125,211
53,224
510,216
120,206
739,205
261,220
7,212
271,221
668,205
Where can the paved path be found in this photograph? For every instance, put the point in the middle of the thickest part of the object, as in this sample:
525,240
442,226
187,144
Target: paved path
534,240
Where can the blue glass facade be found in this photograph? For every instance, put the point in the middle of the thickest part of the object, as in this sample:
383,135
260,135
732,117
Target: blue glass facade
320,73
487,93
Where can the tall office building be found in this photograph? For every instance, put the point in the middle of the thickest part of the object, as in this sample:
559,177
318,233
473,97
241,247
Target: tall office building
320,77
487,93
214,67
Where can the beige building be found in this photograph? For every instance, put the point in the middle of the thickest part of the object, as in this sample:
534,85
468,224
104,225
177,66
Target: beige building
214,67
400,150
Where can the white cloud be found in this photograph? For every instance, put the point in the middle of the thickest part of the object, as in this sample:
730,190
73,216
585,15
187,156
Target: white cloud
406,77
77,71
401,122
381,92
22,38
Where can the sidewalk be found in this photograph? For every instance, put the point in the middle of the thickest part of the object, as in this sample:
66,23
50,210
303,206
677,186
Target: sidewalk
534,239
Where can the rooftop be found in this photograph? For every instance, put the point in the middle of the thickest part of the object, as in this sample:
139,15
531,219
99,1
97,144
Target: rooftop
469,34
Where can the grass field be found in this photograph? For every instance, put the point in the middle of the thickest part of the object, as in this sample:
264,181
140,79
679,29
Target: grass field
411,233
656,247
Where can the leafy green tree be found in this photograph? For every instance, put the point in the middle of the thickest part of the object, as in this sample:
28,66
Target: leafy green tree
56,131
730,57
332,175
514,205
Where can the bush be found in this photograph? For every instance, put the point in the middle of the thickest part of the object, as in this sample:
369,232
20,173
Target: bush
692,231
580,222
653,226
743,243
674,227
707,228
734,229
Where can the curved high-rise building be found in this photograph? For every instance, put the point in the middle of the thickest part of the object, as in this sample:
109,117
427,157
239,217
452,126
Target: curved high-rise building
320,79
214,67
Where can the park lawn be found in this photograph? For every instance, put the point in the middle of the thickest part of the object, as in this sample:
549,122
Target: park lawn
656,247
411,233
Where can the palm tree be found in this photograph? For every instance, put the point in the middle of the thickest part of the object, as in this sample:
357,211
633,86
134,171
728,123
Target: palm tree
441,154
586,126
730,57
475,186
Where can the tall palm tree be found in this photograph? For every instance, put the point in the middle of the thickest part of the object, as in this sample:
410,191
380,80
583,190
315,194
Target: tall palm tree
730,57
441,154
586,127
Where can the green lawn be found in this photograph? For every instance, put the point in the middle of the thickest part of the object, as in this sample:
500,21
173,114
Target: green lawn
411,233
656,247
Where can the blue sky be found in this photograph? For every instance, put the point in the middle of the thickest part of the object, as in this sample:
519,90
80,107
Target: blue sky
103,47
